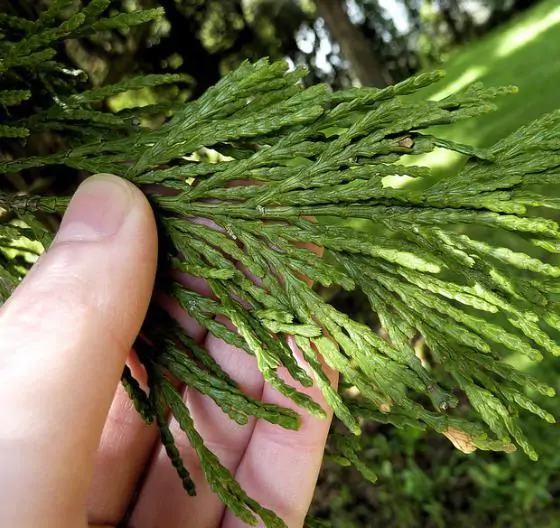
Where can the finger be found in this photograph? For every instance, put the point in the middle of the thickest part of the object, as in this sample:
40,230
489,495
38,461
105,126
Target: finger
280,467
64,338
127,443
125,447
163,500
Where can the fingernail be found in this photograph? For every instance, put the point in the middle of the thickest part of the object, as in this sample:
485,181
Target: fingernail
98,209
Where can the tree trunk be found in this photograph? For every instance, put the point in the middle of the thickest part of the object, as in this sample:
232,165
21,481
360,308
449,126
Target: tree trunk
353,44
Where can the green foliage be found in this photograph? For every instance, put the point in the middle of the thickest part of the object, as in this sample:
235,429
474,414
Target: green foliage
307,152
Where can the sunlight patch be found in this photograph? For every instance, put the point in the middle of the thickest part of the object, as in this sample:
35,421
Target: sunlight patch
396,181
471,75
437,158
525,34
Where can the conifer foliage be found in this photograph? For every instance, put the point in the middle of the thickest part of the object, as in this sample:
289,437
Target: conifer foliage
312,161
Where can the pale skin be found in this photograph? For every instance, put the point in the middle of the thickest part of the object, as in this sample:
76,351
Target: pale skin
73,451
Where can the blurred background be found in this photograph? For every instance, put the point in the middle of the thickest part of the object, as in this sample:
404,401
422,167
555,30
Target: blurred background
423,481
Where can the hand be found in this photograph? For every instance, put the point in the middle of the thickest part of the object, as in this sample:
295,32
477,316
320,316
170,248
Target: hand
72,448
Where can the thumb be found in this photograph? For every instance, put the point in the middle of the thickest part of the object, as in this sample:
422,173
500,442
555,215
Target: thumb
64,337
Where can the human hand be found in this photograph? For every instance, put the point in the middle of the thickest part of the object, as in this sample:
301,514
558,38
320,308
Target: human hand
73,450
